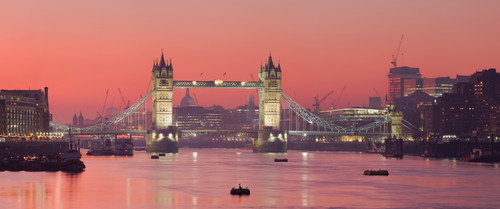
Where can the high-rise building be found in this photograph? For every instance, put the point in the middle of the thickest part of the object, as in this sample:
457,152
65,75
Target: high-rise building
402,82
24,112
436,87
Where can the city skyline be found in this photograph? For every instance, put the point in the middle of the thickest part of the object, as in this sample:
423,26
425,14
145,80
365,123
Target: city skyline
79,50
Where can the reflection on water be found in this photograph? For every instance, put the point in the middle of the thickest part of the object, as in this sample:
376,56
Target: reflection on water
204,177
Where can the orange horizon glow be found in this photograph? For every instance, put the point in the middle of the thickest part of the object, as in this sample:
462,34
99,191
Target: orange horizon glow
81,49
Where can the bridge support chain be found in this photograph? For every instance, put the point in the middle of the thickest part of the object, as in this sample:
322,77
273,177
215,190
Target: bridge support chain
270,140
163,140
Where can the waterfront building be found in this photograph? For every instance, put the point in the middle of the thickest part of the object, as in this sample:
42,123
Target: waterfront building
430,116
24,112
471,109
410,106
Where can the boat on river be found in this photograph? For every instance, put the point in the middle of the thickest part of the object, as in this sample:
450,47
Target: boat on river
71,161
240,191
280,160
376,172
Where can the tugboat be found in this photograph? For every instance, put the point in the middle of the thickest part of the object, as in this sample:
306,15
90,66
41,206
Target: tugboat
240,190
376,173
71,159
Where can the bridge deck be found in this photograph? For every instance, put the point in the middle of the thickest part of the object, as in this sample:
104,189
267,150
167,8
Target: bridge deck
219,84
226,131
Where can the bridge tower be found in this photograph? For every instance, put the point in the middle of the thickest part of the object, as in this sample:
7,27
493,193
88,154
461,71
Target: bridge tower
270,136
164,136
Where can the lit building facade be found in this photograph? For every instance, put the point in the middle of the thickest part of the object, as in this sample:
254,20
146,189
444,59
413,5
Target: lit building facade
472,108
24,112
436,87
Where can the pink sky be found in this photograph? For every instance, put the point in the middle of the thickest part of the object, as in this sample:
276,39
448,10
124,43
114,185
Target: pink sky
80,49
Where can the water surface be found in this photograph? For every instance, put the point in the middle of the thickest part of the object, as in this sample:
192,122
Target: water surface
202,178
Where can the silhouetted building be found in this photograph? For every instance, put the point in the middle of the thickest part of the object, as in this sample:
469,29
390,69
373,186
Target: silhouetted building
430,115
374,103
24,112
243,117
75,121
410,107
80,120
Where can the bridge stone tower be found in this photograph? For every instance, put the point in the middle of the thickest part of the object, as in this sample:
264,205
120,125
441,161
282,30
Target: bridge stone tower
164,136
270,136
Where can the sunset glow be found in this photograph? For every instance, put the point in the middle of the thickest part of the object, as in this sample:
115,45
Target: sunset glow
80,49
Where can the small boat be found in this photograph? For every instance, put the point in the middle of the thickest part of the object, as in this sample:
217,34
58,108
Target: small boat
390,155
155,157
280,160
375,172
161,154
240,191
100,152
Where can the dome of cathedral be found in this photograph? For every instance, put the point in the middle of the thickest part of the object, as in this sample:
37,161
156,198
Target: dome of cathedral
187,101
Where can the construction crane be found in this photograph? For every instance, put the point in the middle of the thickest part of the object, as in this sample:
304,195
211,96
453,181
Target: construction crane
376,92
123,99
378,95
196,99
318,101
395,57
101,114
338,99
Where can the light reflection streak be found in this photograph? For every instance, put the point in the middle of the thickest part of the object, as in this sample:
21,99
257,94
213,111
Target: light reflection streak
57,196
128,192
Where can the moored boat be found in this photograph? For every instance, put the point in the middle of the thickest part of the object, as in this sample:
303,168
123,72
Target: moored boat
281,160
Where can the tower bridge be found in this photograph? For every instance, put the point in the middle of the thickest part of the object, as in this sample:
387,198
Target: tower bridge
164,135
271,135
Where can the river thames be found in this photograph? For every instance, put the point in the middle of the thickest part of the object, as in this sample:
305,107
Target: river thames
202,178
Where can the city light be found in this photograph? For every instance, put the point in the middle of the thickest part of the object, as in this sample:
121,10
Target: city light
218,82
